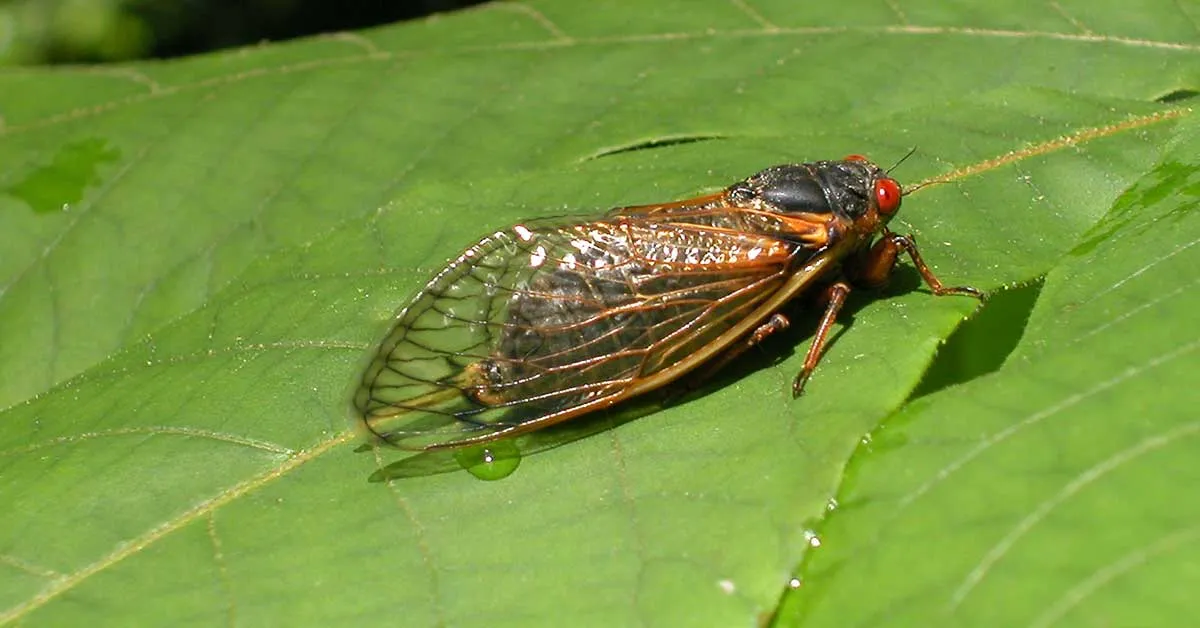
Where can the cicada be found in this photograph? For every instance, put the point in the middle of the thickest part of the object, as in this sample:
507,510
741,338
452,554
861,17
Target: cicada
551,319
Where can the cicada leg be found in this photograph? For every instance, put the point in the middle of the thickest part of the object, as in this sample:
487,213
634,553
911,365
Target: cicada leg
871,269
777,323
834,297
874,268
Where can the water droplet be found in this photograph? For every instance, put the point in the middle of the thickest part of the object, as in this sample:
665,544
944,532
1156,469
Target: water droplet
492,461
794,583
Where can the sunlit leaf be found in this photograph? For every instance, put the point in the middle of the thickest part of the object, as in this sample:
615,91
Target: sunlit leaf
199,256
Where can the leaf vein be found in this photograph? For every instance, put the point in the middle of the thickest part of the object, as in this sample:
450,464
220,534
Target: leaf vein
152,536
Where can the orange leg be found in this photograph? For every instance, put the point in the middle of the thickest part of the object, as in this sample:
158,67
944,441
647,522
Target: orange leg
777,322
874,267
835,295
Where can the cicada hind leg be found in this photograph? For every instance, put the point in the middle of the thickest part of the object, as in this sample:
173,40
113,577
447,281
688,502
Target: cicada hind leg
775,324
870,269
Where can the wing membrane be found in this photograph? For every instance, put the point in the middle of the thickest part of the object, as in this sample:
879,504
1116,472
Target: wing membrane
546,320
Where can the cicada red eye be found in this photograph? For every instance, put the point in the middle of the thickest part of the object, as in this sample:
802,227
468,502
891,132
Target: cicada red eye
887,195
855,157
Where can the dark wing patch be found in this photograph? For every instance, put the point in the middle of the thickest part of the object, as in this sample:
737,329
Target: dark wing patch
543,321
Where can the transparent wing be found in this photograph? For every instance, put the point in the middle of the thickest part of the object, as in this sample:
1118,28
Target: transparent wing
544,321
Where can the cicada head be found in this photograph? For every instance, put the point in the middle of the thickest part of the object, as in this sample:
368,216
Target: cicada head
851,195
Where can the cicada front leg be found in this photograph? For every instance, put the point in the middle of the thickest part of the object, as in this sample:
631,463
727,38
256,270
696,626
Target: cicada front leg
874,268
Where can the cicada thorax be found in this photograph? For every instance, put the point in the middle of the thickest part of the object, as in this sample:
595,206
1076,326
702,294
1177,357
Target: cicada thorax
550,319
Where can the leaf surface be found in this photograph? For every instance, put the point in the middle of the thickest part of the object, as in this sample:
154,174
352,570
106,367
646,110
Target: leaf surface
200,255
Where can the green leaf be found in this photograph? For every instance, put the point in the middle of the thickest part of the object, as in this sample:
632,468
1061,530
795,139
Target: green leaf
1052,491
200,256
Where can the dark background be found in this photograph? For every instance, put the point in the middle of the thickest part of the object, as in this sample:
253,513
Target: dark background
96,31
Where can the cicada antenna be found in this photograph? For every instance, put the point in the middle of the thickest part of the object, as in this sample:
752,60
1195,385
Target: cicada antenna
902,160
916,186
907,190
924,184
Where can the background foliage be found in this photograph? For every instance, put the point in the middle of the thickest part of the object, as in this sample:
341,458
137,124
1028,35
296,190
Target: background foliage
199,256
64,31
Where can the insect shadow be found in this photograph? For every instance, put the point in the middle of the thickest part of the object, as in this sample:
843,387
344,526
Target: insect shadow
435,462
804,315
